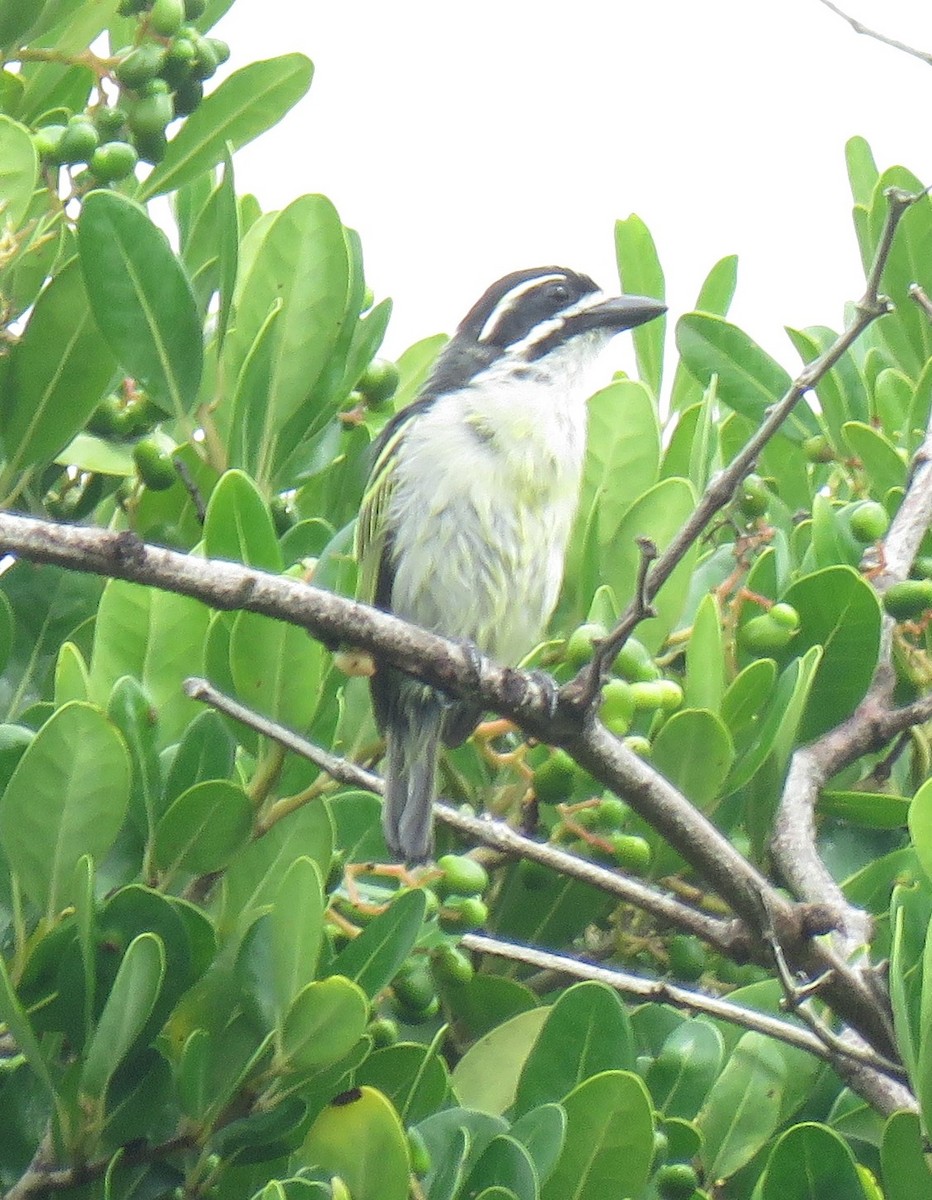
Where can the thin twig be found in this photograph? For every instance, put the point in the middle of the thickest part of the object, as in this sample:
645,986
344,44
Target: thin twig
579,692
664,992
859,27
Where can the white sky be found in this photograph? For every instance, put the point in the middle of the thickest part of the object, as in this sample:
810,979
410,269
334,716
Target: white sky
465,140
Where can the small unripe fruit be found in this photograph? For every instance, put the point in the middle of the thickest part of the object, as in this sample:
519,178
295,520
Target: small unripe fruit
461,876
818,449
908,599
413,987
140,66
617,708
661,1148
113,160
167,17
612,812
152,146
764,635
869,522
79,141
662,693
180,58
461,912
110,122
630,852
676,1181
220,48
922,567
634,663
379,382
152,113
188,96
785,616
753,496
580,646
155,467
47,141
206,62
553,779
639,745
687,956
383,1031
450,965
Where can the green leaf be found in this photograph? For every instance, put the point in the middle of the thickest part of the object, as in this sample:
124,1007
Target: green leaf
920,826
156,637
414,1077
238,526
70,675
203,828
840,612
884,467
641,275
542,1131
623,452
487,1075
658,514
207,751
906,1174
609,1140
67,798
715,296
17,20
862,170
841,391
504,1164
742,1109
141,300
694,751
130,710
251,100
16,1020
373,958
810,1162
705,658
18,170
910,915
688,1064
324,1022
749,380
297,928
276,668
131,1000
60,370
587,1031
360,1138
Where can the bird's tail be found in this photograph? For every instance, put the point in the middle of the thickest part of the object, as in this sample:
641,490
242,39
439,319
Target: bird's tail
413,734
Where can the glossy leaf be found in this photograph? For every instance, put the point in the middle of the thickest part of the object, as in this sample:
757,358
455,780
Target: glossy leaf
686,1067
862,170
360,1138
203,828
906,1173
141,300
131,1000
586,1032
66,798
297,927
641,275
238,526
623,452
694,751
542,1131
276,668
504,1164
18,169
130,709
487,1075
414,1077
749,380
715,296
60,370
705,658
884,467
247,103
325,1020
608,1149
742,1108
810,1162
373,958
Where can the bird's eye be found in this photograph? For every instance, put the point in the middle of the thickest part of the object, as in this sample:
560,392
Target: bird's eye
558,292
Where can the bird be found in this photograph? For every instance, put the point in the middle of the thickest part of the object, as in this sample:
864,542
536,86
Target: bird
469,505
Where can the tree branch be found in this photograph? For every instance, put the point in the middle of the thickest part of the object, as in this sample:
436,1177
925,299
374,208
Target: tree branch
858,27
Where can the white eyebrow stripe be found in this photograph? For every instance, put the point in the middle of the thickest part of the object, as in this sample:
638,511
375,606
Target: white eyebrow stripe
510,299
545,328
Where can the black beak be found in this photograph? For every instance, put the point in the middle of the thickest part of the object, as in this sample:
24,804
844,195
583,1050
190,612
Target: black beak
618,313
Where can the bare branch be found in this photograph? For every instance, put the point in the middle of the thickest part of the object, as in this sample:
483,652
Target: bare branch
858,27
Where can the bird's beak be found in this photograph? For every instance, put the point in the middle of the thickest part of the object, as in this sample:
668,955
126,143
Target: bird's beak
619,313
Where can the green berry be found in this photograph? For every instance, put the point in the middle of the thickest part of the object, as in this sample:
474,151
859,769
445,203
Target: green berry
922,567
109,122
220,48
581,644
818,449
413,986
379,382
753,496
188,96
151,146
785,615
47,141
180,58
450,965
661,1148
79,141
908,599
167,17
869,522
630,852
676,1181
383,1031
763,635
150,114
639,745
634,663
113,160
155,466
206,61
461,876
460,912
140,66
612,813
617,708
687,956
129,8
553,779
661,693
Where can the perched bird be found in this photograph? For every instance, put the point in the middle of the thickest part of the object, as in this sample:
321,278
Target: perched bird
473,490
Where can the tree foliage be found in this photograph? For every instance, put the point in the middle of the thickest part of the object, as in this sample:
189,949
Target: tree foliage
207,986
